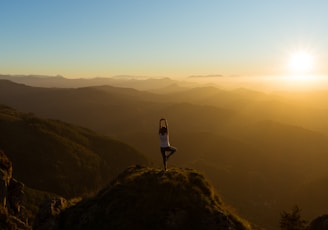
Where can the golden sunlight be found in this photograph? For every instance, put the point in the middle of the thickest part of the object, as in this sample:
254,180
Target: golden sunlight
301,62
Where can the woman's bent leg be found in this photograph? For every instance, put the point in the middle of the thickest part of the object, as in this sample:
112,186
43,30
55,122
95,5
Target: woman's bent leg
173,150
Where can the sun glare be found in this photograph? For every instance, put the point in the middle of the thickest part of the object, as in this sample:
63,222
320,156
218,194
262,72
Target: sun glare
301,62
302,73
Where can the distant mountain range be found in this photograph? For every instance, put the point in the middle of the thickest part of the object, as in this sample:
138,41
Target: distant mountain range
119,81
263,152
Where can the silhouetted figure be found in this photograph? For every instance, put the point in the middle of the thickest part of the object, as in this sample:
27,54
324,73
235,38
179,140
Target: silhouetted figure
165,142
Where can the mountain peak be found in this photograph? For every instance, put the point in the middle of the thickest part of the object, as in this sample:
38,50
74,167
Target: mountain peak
148,198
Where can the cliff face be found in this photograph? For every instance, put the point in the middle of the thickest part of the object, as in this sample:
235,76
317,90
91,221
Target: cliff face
11,195
147,198
5,177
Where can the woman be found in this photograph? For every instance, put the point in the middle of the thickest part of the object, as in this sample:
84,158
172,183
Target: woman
165,142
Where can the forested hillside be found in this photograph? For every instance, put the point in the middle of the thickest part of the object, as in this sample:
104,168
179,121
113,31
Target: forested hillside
54,156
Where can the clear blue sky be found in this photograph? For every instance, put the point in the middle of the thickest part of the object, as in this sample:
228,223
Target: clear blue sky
173,38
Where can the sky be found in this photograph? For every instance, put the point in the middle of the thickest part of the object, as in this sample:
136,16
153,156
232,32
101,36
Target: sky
169,38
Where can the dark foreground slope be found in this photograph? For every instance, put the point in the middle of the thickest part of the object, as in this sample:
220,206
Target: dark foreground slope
147,198
57,157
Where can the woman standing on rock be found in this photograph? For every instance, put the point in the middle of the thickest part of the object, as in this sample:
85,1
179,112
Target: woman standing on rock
165,142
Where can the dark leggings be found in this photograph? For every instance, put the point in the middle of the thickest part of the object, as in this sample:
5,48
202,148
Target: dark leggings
166,157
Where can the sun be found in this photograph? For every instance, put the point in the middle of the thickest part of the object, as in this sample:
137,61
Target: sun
302,70
301,62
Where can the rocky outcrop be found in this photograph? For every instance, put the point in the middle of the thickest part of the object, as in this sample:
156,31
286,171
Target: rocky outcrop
11,196
146,198
47,218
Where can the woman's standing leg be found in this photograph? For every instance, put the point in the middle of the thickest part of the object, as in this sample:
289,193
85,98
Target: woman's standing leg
164,158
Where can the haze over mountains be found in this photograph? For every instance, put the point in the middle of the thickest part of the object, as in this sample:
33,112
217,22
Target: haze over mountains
263,152
141,83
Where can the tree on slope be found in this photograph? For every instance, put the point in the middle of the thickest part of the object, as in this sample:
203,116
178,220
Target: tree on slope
292,220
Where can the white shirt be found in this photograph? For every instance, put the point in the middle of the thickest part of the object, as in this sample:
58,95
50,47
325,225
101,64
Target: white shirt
164,140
